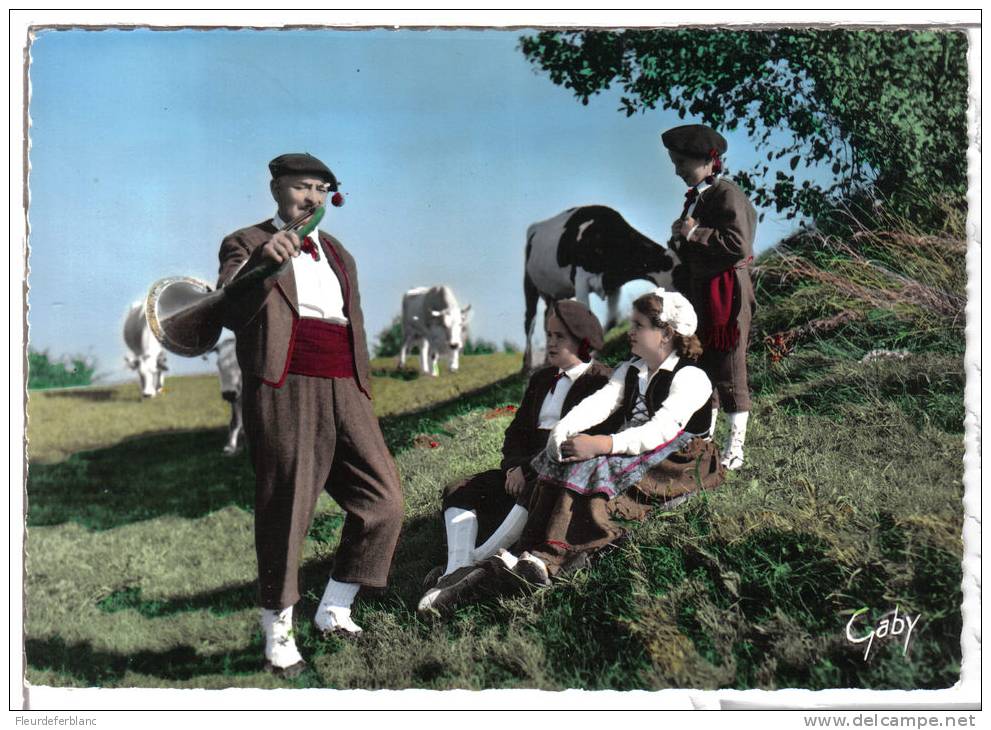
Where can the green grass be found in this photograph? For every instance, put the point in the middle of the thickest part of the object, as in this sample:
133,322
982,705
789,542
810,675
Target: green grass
146,577
65,422
140,560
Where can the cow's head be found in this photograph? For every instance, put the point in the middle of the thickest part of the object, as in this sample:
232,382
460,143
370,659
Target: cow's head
449,327
151,372
230,372
609,244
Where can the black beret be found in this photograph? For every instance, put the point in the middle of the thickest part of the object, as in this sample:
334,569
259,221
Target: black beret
694,140
580,322
301,163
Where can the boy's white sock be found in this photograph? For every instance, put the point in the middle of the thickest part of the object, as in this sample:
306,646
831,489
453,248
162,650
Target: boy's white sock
505,535
733,454
712,426
461,526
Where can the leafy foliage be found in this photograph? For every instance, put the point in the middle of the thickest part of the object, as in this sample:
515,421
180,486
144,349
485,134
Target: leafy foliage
883,111
479,347
43,372
390,340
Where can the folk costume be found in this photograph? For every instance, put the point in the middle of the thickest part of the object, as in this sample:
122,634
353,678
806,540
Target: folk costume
525,438
478,509
659,455
715,277
309,421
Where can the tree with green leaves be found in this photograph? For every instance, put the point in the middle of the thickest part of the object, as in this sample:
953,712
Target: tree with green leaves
884,112
46,372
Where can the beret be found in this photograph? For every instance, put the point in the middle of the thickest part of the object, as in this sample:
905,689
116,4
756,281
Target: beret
301,163
580,323
694,140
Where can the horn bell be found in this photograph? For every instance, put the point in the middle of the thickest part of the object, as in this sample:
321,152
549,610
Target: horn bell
184,315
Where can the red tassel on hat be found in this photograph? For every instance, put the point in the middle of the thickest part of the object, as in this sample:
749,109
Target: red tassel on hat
337,200
717,164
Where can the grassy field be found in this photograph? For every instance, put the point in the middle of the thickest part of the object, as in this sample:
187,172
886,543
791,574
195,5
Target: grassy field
64,422
143,576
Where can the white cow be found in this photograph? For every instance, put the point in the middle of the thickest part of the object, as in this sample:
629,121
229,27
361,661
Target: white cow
230,391
147,355
433,320
588,249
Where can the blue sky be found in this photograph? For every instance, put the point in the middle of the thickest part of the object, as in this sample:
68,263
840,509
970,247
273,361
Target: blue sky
148,146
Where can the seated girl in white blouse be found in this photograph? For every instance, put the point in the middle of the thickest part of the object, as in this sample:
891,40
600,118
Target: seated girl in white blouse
657,403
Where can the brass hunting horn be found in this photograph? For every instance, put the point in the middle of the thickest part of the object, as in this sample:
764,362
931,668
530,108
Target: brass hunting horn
185,313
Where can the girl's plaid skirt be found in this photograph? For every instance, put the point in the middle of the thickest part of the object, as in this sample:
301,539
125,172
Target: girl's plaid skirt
610,475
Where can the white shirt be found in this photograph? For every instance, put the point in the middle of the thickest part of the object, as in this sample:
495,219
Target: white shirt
690,390
700,188
317,287
550,409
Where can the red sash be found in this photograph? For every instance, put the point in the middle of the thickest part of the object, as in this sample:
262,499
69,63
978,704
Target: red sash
722,332
321,350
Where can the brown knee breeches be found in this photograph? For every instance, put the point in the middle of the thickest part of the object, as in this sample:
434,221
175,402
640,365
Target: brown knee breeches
313,434
728,373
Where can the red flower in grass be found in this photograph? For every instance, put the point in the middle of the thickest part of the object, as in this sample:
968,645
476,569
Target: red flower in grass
434,444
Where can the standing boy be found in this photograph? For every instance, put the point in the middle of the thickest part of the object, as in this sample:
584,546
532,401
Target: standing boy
714,237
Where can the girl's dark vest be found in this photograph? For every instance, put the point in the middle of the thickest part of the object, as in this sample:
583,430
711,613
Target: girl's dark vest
657,391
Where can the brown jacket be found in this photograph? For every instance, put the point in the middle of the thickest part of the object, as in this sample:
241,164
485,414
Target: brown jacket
727,223
264,316
523,441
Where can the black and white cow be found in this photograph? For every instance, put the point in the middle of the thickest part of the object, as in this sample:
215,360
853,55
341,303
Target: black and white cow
433,320
147,356
583,250
230,391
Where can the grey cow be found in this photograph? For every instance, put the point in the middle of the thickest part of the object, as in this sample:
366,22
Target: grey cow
433,320
230,391
146,356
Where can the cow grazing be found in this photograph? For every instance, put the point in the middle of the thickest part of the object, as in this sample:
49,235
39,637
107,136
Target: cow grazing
583,250
147,356
230,391
433,320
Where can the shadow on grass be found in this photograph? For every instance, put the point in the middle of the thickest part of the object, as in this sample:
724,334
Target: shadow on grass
396,374
97,395
100,668
421,546
184,474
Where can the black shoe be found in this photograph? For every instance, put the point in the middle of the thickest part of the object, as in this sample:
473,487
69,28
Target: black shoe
532,570
432,577
450,589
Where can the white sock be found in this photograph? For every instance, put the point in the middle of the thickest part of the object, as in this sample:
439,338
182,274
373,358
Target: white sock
335,607
280,646
462,529
733,453
737,428
505,535
712,427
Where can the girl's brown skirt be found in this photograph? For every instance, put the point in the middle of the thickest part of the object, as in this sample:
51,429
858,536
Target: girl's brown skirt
564,527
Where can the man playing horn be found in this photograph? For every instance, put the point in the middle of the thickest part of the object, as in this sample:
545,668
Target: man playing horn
307,408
